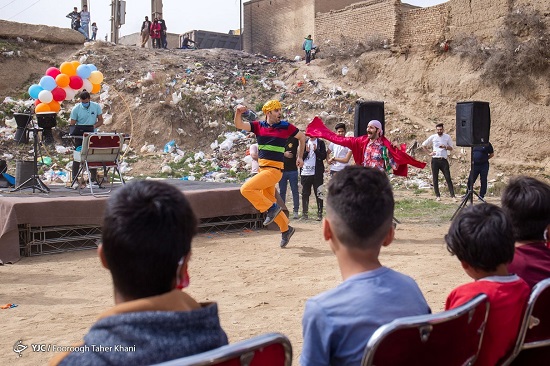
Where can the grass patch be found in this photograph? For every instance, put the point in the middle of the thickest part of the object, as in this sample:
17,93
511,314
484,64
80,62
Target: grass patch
423,210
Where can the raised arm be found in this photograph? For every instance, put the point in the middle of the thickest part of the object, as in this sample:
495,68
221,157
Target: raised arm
238,120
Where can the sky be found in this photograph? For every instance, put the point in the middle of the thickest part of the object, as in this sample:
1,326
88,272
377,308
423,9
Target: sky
180,15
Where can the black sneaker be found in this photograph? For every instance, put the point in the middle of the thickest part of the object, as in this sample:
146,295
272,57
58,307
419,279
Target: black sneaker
319,217
286,236
272,214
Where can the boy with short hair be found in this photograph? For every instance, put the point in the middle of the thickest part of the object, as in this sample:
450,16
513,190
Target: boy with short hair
526,202
481,238
338,323
338,156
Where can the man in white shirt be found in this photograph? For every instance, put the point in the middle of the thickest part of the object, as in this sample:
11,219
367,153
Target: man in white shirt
441,143
311,175
338,156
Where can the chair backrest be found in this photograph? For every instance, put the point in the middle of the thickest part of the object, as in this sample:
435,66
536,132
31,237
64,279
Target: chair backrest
101,146
272,349
533,343
451,337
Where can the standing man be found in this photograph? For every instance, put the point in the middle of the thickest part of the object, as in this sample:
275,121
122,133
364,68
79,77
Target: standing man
290,175
308,46
340,154
72,16
481,156
272,135
85,21
145,30
312,174
86,116
372,149
441,144
163,42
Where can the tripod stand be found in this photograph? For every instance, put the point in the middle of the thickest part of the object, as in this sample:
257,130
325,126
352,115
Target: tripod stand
34,181
469,196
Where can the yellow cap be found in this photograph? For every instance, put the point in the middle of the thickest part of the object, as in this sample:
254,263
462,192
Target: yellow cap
271,105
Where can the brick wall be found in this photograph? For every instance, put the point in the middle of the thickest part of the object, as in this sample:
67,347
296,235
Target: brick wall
360,21
422,26
277,27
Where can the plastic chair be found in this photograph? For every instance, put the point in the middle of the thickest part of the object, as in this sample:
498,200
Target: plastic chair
533,343
99,149
452,337
272,349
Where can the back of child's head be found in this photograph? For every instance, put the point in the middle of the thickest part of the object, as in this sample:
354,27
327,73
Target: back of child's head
147,229
526,202
481,236
360,206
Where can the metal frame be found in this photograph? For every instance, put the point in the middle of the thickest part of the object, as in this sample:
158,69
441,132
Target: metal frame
56,239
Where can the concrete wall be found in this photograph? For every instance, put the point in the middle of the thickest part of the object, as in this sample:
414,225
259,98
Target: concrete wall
134,39
360,21
277,27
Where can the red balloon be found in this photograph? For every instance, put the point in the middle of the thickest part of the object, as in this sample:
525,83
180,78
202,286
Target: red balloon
76,82
59,94
37,102
53,72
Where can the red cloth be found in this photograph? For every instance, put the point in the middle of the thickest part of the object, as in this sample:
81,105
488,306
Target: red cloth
357,145
531,262
507,302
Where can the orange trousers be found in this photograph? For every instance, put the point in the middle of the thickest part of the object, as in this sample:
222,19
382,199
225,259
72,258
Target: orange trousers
260,191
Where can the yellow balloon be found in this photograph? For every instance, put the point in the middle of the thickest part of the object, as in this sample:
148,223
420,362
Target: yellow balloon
54,106
75,64
95,88
62,80
42,107
68,69
96,77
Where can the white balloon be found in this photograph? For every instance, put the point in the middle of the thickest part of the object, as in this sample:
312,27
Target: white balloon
87,84
70,93
45,96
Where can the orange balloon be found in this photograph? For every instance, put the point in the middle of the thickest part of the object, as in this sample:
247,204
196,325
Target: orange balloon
67,68
62,80
42,107
75,64
54,106
96,88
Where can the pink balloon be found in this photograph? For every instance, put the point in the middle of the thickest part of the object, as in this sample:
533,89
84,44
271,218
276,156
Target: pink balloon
76,82
59,94
53,72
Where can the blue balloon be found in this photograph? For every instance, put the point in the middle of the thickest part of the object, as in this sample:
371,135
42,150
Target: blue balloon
47,83
83,71
34,90
92,67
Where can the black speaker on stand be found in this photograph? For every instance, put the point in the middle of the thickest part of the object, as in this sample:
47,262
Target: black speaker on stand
24,125
47,121
366,111
34,181
473,126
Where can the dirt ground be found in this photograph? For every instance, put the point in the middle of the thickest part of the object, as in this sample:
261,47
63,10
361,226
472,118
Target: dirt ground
259,287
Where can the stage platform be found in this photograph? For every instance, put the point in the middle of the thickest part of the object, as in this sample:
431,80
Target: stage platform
38,223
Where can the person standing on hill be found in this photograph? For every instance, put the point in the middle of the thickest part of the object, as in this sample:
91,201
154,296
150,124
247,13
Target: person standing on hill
72,16
272,135
85,21
163,42
307,46
145,31
155,33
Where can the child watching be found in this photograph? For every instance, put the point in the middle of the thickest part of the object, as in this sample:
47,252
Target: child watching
94,31
526,202
338,323
481,238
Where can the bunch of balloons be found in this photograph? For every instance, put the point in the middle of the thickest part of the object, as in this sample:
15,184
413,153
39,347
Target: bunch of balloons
59,84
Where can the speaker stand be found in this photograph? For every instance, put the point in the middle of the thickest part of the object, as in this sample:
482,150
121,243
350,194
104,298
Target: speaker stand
34,181
469,196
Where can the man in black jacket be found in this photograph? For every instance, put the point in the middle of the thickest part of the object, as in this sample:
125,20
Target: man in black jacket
312,174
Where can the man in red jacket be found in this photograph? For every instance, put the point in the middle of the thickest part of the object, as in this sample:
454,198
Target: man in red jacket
372,149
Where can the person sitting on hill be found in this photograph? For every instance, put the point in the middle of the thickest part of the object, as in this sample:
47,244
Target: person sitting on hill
481,238
185,43
146,245
526,201
338,323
